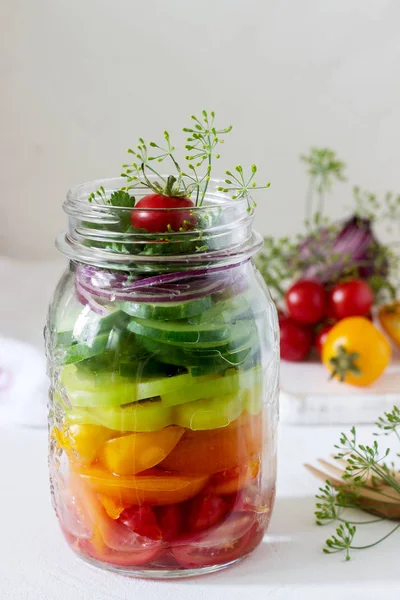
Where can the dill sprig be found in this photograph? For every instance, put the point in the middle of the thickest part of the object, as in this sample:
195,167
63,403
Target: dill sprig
365,467
192,179
242,187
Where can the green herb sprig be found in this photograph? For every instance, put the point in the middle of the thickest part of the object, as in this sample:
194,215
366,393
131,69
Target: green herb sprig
242,187
192,179
365,466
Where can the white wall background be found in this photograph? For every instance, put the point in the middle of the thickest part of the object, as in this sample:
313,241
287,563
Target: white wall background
81,79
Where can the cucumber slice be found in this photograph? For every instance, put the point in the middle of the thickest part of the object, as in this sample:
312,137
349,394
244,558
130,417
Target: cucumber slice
230,383
238,307
181,331
231,353
89,325
110,389
94,337
170,311
241,334
79,352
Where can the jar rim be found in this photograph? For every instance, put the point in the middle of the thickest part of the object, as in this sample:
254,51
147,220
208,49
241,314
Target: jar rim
95,233
79,194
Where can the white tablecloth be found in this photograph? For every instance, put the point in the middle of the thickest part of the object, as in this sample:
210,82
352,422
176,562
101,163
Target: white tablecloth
35,563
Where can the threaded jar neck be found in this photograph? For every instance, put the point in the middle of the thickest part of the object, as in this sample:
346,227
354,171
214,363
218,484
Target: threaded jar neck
101,235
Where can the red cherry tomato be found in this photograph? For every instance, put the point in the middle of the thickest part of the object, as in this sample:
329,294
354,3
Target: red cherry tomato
296,340
306,301
122,559
170,520
321,337
141,520
221,545
160,221
281,315
352,298
206,511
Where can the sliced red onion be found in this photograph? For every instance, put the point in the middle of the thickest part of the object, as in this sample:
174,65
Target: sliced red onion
168,287
85,297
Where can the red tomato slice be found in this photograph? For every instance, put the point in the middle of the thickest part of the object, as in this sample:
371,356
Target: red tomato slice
205,512
110,541
170,520
122,559
154,487
253,500
232,480
141,520
221,545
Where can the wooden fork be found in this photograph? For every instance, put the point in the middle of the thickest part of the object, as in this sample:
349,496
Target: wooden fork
375,497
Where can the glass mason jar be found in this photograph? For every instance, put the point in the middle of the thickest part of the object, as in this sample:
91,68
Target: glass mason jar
163,359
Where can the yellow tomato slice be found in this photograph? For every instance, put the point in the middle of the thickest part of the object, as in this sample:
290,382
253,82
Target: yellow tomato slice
137,452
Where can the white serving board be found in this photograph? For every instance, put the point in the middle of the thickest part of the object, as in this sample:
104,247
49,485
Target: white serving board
308,397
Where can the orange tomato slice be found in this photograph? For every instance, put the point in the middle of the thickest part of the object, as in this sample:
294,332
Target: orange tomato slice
113,507
208,452
137,452
153,487
232,480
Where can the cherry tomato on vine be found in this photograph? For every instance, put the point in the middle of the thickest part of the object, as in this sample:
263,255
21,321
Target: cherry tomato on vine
321,336
306,301
356,352
352,298
144,215
296,340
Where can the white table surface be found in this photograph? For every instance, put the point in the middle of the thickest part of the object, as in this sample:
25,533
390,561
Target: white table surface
35,563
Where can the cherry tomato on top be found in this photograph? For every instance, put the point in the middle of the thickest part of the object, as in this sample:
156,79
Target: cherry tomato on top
160,221
306,301
321,337
296,340
356,352
352,298
206,511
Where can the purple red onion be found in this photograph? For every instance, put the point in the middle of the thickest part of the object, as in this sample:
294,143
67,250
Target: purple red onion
353,246
168,287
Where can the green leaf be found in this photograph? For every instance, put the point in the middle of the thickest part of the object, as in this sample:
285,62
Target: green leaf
122,199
